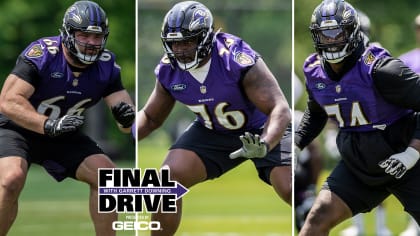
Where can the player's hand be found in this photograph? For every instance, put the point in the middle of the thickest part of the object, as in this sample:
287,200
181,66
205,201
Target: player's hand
252,146
65,124
399,163
124,114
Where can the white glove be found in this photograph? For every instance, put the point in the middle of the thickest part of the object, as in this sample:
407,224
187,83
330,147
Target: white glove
252,146
399,163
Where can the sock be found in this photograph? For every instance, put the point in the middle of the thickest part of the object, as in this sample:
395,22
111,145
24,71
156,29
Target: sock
380,218
358,222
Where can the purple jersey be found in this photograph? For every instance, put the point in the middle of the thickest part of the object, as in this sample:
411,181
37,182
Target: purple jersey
219,102
412,59
59,91
353,101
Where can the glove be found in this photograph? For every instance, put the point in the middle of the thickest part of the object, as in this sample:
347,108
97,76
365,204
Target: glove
399,163
124,114
252,146
65,124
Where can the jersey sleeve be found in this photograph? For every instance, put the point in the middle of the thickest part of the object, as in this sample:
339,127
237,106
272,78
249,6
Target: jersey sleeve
397,83
311,125
238,56
31,61
116,83
314,117
26,70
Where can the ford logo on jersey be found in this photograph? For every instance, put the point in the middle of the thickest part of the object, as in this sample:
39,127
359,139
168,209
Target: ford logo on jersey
178,87
320,86
57,75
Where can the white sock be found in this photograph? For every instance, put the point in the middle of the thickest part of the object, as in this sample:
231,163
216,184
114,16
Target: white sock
358,222
380,218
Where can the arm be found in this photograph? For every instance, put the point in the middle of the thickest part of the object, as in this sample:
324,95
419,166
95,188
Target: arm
397,83
398,164
15,105
313,122
19,86
154,113
262,89
122,108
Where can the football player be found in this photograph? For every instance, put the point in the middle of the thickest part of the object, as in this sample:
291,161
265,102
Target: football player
371,96
308,166
358,227
412,60
242,113
42,106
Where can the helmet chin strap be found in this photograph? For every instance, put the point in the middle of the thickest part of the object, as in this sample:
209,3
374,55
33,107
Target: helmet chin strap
327,58
190,65
72,59
335,57
76,59
81,55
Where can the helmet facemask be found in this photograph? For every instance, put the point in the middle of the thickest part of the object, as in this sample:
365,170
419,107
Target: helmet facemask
335,42
84,52
188,21
203,48
87,17
335,30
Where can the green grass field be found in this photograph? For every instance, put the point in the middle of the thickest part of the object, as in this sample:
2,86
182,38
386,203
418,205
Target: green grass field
239,204
48,208
396,218
236,204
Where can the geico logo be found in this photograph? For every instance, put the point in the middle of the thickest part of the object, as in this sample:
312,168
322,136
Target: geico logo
136,225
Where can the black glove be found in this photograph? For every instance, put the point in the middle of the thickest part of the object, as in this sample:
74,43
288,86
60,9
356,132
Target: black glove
124,114
65,124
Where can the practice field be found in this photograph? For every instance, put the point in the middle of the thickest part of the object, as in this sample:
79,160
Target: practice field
236,204
48,208
239,204
396,218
